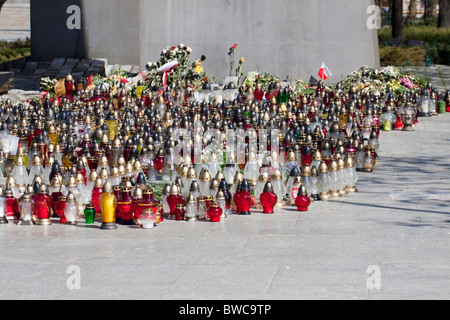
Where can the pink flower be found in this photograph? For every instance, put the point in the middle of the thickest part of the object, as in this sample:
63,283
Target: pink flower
407,83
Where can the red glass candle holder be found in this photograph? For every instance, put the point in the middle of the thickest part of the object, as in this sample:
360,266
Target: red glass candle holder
179,212
307,156
43,206
173,200
244,202
59,209
125,206
148,202
159,162
96,195
302,201
215,212
236,202
55,197
398,125
268,201
10,204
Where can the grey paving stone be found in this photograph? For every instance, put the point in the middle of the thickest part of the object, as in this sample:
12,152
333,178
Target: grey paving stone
27,72
62,74
31,65
72,61
78,74
39,72
398,221
50,73
20,62
44,65
58,62
69,65
98,64
81,67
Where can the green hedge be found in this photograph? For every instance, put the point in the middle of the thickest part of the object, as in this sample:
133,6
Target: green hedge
436,41
12,50
402,56
427,34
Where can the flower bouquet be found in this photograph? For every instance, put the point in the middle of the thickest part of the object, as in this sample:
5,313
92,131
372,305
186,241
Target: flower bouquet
381,81
183,71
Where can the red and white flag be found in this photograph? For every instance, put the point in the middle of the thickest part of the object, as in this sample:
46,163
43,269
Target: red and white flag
166,70
324,72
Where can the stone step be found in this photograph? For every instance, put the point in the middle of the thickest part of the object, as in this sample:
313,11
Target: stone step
6,81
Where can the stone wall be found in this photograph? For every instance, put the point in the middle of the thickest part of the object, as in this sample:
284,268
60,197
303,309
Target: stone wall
284,37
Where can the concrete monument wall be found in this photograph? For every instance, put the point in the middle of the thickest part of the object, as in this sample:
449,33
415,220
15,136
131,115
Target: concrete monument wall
284,37
112,30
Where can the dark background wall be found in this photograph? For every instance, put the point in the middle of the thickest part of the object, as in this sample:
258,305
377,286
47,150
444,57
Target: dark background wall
50,36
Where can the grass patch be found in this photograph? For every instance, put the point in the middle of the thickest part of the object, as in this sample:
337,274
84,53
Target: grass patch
436,43
12,50
429,34
402,56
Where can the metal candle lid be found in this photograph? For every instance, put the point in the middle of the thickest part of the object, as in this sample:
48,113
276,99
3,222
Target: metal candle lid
268,187
323,168
306,171
302,191
220,195
93,176
277,175
191,174
264,177
174,190
70,198
190,198
245,186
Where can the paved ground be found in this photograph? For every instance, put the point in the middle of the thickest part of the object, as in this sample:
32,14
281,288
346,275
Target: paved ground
15,21
438,75
397,225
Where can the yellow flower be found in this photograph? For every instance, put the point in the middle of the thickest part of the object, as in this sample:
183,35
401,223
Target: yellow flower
242,60
199,69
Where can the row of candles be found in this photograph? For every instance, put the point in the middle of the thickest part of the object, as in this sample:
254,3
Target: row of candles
125,195
58,162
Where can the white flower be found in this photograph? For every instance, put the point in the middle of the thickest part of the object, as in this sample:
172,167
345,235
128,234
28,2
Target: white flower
188,49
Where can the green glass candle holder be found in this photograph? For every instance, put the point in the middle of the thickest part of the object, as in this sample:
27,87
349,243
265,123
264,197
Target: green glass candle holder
441,107
89,214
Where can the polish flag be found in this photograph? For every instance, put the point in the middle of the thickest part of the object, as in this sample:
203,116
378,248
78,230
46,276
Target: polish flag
324,72
166,70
